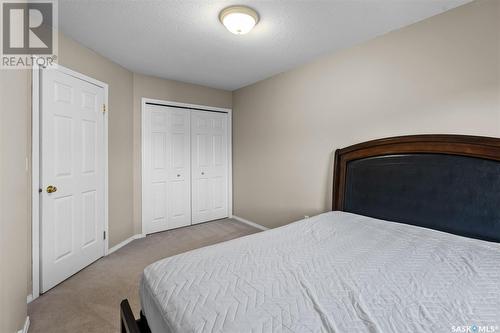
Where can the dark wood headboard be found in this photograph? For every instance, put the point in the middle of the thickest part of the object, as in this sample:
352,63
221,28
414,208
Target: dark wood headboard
444,182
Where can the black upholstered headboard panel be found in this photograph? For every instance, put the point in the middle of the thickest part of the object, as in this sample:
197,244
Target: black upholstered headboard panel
456,194
443,182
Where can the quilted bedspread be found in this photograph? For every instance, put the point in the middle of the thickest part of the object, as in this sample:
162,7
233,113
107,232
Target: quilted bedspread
335,272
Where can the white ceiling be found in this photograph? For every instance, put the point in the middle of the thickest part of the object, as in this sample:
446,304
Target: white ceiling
184,40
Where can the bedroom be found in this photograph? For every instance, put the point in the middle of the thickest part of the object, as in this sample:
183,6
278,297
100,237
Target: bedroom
311,78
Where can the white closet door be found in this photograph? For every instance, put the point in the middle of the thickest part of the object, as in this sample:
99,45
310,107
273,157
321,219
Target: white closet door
209,158
72,176
167,188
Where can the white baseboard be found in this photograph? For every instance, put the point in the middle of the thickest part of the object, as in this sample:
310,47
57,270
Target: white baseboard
30,298
125,242
253,224
26,326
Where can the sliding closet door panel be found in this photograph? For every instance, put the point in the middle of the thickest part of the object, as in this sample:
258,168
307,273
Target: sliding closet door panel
179,188
220,166
166,169
155,152
209,158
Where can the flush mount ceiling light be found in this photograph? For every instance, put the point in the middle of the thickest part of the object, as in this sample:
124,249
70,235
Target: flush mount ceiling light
239,19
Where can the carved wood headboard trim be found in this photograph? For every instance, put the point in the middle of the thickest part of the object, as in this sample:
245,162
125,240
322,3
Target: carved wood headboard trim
462,145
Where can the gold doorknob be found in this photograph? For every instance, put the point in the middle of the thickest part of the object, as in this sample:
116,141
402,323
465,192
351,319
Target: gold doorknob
51,189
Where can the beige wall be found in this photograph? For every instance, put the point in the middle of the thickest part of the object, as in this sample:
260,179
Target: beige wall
14,198
440,75
437,76
151,87
125,91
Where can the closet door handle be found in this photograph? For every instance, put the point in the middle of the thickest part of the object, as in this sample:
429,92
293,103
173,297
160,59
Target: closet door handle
178,175
202,173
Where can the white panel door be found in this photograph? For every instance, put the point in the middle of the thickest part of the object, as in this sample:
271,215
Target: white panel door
209,158
166,175
72,161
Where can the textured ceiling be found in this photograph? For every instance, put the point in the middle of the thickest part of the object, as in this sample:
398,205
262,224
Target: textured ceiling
183,40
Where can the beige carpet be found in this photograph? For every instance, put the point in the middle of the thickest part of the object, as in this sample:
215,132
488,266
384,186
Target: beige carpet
89,300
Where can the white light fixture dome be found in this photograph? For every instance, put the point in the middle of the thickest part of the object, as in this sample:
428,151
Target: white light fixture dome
239,19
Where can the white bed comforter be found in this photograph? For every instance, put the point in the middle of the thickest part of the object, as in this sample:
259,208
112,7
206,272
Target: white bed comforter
335,272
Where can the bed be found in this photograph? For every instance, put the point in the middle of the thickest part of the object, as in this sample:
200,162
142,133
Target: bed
411,244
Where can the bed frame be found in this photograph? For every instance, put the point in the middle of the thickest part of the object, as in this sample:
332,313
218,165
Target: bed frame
449,183
128,323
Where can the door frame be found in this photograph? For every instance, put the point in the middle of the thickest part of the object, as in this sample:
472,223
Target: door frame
187,106
36,85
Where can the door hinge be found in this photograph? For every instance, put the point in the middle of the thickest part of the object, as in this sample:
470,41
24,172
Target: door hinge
104,234
104,108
